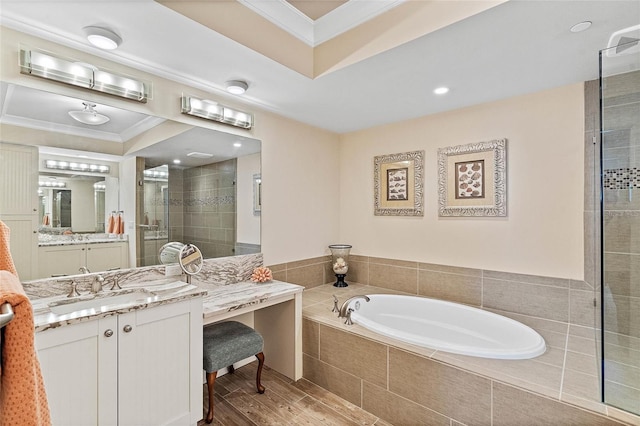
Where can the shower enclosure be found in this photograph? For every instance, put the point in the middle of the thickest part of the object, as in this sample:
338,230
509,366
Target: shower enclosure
620,215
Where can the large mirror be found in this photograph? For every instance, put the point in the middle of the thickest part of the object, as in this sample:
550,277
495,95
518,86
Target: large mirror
206,198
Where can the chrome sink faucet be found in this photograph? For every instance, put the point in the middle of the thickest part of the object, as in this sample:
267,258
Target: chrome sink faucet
96,285
345,310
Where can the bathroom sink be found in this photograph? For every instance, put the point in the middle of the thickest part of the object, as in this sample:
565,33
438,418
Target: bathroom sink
102,302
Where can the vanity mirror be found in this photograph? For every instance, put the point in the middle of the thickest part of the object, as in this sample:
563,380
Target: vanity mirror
207,199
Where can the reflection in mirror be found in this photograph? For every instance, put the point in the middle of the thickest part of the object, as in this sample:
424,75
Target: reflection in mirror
186,207
73,202
206,199
190,260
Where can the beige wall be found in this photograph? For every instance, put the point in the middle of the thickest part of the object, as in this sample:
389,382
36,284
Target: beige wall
542,233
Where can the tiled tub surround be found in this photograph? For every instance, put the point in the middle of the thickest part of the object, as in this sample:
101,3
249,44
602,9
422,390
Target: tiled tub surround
405,384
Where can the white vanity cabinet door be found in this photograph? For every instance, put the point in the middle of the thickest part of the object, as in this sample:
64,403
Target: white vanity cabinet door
67,260
139,368
61,260
103,256
160,365
79,367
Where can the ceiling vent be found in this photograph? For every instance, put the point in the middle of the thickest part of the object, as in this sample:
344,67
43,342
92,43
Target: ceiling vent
624,42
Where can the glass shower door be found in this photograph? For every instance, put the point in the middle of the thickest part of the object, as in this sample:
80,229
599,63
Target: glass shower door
620,124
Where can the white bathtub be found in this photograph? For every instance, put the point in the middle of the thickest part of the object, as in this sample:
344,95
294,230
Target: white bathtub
447,326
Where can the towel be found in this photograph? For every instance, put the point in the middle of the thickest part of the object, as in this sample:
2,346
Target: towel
6,261
120,229
111,224
146,219
45,220
23,400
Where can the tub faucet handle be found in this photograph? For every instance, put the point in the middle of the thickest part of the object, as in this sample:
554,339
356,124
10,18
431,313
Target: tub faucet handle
348,316
335,305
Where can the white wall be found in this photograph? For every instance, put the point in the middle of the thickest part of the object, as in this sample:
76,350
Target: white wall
248,222
542,233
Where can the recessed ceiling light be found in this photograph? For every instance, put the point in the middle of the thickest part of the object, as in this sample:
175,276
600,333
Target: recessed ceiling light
176,161
441,90
237,87
580,26
102,38
237,144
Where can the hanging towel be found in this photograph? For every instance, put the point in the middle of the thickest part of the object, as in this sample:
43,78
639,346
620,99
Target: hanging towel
111,224
45,220
23,400
146,219
120,224
6,261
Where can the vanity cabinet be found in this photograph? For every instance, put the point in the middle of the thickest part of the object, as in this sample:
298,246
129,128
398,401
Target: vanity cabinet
67,259
139,368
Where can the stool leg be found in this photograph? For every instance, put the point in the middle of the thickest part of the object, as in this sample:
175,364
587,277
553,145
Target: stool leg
211,378
230,369
260,357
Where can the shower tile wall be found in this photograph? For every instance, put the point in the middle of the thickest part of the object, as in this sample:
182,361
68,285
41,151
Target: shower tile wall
209,208
621,176
176,204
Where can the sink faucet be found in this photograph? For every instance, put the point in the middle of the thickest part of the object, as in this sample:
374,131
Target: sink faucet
345,310
96,285
84,270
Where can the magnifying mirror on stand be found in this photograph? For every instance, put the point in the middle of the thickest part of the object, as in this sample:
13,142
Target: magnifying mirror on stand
188,256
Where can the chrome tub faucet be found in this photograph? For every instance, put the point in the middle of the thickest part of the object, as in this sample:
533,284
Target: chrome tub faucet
345,310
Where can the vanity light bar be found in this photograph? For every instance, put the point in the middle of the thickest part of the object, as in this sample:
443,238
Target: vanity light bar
155,174
78,167
52,184
82,75
211,110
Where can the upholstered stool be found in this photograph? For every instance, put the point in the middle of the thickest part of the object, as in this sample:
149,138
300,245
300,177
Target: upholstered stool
225,343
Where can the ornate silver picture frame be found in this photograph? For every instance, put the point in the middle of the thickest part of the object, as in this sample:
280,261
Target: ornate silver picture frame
472,179
398,184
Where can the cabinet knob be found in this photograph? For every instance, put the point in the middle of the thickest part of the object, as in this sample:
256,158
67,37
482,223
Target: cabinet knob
108,333
127,328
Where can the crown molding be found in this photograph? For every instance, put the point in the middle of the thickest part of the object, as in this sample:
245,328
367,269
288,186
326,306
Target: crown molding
340,20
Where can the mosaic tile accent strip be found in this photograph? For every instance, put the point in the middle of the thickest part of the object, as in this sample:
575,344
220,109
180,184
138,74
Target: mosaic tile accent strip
624,178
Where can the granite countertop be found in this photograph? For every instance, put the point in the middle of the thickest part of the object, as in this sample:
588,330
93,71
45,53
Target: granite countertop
221,299
83,241
107,303
218,299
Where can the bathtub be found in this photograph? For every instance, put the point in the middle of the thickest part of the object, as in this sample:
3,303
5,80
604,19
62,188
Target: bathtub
446,326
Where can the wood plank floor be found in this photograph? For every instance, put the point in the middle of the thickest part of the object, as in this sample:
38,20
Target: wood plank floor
283,403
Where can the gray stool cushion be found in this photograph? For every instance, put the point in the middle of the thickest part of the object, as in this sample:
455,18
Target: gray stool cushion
228,342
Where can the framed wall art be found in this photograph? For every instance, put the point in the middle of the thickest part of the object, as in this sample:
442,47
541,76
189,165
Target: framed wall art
398,184
472,179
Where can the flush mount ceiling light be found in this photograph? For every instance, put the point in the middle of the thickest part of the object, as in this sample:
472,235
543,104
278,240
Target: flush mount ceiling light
102,38
80,74
89,115
237,87
212,110
441,90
